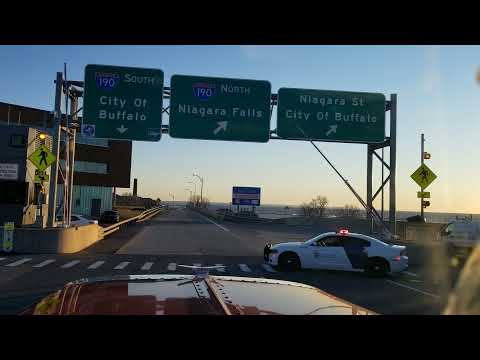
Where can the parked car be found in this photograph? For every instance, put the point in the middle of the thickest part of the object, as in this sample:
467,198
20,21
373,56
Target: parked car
110,217
78,220
461,236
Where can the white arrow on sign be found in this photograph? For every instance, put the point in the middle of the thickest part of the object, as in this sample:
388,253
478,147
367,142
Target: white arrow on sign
222,125
122,129
333,129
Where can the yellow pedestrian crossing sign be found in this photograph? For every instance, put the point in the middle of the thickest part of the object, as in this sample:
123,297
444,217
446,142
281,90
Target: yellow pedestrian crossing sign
40,176
423,176
42,158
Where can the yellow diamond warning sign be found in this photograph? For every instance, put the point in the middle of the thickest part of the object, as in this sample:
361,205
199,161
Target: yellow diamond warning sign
423,176
42,158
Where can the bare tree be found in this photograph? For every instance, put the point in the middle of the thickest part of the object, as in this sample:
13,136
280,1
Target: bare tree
350,210
316,207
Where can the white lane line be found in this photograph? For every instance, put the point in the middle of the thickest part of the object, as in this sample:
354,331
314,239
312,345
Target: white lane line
268,268
172,267
409,273
44,263
244,268
2,259
214,223
146,266
197,264
122,265
413,289
96,265
70,264
222,269
19,262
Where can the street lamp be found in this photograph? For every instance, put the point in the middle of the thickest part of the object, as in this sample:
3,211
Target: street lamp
201,188
173,198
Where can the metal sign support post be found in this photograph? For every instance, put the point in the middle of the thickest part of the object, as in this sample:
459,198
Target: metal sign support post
52,195
422,141
392,143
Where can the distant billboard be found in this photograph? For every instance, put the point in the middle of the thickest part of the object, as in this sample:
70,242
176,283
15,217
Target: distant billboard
246,196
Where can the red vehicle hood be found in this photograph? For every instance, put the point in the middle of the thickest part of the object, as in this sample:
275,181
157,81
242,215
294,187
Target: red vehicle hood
188,295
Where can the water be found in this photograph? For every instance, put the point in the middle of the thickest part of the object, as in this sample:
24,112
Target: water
280,211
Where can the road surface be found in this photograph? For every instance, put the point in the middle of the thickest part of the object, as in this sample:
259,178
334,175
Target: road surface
182,236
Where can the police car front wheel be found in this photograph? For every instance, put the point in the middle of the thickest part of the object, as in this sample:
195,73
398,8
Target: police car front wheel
289,262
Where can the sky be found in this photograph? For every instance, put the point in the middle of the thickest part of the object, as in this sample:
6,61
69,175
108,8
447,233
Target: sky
437,91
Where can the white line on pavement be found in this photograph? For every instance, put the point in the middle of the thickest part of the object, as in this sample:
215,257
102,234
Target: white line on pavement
122,265
222,269
2,259
19,262
70,264
268,268
214,223
414,289
409,273
172,267
44,263
197,264
96,265
244,267
147,266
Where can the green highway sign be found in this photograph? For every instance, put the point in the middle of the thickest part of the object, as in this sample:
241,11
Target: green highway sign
325,115
122,103
219,109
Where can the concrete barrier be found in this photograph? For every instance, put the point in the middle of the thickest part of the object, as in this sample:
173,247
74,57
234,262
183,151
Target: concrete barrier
56,240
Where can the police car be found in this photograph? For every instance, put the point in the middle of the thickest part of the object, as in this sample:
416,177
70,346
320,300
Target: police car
339,251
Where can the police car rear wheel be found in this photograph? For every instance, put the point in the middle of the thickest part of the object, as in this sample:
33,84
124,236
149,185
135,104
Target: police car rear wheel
289,262
376,267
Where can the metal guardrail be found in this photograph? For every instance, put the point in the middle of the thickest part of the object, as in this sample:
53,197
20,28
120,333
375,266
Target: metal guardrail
141,217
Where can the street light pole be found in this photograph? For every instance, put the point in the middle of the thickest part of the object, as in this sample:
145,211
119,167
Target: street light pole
201,186
195,187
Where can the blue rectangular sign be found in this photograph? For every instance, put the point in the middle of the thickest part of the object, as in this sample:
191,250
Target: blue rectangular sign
246,196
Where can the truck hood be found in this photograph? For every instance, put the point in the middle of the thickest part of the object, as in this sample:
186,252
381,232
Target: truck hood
188,295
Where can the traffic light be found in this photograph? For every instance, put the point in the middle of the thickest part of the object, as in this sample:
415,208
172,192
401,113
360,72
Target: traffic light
425,204
42,136
426,155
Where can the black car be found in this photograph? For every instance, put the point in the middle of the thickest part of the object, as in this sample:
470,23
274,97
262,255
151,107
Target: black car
110,217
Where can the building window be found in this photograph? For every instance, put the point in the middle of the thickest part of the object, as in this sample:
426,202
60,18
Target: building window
88,167
80,139
17,140
77,202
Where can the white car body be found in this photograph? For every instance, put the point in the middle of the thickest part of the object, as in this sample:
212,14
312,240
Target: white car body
461,236
349,256
79,220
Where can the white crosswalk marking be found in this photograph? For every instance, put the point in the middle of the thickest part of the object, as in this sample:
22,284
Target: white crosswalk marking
44,263
197,264
172,267
19,262
122,265
147,266
244,268
70,264
96,265
268,268
220,269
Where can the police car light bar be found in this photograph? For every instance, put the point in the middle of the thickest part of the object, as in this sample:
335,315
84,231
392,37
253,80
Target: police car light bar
343,232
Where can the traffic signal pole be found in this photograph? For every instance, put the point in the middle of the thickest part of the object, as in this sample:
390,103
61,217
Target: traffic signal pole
52,193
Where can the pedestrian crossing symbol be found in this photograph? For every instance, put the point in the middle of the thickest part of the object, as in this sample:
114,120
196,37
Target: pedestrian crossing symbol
423,176
42,158
40,176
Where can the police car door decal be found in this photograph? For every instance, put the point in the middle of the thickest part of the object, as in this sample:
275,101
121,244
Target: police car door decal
356,252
